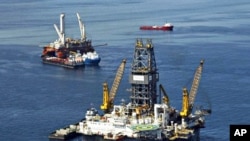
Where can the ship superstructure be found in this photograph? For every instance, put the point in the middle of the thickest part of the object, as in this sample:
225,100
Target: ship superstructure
145,117
65,51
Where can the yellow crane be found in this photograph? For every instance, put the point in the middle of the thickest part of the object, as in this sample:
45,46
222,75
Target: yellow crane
165,98
108,97
188,99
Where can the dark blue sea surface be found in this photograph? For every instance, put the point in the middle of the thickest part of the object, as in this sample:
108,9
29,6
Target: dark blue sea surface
36,99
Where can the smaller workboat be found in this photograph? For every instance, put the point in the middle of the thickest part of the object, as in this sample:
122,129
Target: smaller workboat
65,133
165,27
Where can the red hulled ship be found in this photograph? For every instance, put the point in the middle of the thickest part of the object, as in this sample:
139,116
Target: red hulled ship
165,27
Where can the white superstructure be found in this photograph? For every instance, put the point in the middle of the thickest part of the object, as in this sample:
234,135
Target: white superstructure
122,123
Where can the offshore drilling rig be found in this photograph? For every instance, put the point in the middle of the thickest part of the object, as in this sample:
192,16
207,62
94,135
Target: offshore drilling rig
144,118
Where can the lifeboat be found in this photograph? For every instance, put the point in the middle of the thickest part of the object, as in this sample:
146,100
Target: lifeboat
166,26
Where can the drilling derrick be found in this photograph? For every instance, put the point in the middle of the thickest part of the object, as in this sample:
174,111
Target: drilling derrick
144,75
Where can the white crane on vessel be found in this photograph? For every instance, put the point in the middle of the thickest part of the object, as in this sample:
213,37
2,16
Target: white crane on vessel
61,33
82,27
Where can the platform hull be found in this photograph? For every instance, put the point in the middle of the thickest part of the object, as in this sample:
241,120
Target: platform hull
100,138
53,136
71,66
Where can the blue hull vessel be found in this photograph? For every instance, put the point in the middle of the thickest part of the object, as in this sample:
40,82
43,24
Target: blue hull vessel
92,62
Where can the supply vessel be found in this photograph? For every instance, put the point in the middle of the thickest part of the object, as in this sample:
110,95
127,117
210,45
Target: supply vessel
149,115
69,52
166,27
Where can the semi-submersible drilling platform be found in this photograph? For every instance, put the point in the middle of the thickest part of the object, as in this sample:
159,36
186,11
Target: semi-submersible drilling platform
144,117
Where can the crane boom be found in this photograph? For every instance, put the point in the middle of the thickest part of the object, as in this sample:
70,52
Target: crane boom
108,97
165,96
62,23
117,80
188,98
195,84
60,35
81,26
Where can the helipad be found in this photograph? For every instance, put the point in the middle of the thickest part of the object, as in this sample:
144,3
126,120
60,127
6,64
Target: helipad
144,127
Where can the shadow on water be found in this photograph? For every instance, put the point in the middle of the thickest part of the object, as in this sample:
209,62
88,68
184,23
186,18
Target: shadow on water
99,138
207,138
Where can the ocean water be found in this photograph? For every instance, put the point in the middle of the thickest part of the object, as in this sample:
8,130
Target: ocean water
36,99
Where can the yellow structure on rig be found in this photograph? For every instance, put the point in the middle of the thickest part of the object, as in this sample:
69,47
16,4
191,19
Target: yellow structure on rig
185,103
108,97
165,98
106,104
188,99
